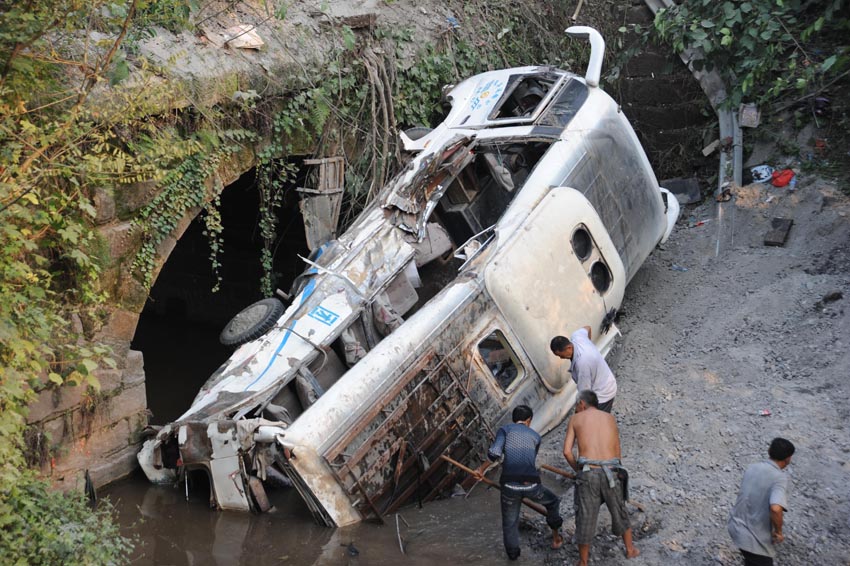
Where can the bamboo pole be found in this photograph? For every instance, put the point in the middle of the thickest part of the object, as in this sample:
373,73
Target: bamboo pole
558,471
539,508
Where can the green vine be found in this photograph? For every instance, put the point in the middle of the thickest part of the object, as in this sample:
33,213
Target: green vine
766,50
213,229
184,188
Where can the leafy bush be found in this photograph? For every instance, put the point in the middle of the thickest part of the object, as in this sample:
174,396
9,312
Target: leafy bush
56,152
39,526
764,49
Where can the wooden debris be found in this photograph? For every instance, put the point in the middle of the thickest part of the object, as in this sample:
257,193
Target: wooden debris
558,471
779,232
711,148
527,502
360,20
574,17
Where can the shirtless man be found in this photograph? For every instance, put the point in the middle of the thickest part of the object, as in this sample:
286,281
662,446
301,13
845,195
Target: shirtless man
595,434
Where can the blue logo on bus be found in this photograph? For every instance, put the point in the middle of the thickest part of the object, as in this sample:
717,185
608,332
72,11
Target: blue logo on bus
323,315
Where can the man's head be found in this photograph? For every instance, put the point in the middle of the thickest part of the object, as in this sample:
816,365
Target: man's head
586,399
562,347
522,413
780,451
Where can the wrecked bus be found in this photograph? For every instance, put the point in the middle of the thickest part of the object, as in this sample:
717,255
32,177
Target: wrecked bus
520,217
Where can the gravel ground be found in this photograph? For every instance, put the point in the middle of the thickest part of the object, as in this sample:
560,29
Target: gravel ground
745,330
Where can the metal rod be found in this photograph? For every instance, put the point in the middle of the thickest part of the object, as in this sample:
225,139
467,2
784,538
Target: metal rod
398,534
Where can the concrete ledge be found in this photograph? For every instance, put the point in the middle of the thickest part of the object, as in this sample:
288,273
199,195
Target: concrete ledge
117,466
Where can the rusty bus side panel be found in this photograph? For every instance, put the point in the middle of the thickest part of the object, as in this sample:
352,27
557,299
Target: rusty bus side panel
394,453
442,402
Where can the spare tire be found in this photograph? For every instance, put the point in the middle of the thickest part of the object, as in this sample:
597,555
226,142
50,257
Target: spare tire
251,322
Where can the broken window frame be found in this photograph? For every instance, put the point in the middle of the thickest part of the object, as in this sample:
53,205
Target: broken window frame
513,83
500,335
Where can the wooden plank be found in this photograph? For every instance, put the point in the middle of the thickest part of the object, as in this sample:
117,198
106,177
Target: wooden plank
780,227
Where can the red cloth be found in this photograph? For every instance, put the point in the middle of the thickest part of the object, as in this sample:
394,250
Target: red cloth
782,178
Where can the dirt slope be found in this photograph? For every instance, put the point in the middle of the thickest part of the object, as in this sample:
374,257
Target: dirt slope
705,351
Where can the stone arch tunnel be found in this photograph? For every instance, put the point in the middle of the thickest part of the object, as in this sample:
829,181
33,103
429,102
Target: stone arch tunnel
178,328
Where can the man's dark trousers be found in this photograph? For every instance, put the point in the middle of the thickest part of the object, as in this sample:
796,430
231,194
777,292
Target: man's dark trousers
607,405
511,504
751,559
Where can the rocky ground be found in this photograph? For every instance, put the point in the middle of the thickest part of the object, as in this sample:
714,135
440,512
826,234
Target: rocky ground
726,344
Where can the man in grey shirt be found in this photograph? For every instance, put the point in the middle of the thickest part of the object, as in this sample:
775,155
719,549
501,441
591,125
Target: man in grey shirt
755,523
588,368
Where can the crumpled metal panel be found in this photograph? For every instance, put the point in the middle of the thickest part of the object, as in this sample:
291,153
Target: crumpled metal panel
320,206
429,176
225,465
393,452
195,447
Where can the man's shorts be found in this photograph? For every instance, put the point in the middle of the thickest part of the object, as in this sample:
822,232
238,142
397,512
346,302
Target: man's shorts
607,405
591,491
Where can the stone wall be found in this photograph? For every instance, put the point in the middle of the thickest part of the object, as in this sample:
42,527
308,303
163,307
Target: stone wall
665,105
95,431
100,431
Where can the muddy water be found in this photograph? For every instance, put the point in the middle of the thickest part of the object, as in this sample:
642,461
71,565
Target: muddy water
170,530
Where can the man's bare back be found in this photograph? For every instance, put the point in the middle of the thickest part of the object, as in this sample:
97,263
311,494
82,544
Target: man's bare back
596,435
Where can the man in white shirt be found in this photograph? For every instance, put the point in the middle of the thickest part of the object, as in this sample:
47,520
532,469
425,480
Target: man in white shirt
588,368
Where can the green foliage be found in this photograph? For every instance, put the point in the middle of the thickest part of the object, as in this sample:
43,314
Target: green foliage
57,151
419,87
183,189
213,229
173,15
301,117
764,49
54,154
39,526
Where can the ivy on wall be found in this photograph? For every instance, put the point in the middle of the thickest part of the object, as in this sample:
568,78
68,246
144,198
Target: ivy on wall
183,189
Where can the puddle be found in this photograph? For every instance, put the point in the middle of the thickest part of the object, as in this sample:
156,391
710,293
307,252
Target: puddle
172,531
